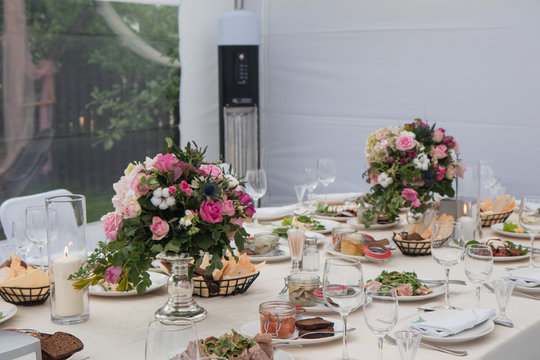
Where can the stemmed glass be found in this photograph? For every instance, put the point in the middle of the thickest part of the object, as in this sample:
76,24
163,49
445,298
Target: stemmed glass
300,191
381,313
326,171
256,186
311,180
478,266
166,340
36,227
529,219
18,239
503,290
343,290
447,247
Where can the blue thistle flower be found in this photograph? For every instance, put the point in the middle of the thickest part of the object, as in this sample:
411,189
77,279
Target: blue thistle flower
210,189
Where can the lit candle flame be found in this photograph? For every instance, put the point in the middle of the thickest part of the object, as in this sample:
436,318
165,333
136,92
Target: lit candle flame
464,209
66,251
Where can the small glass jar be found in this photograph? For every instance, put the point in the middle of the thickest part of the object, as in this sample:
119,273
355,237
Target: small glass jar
352,243
265,243
336,236
301,288
277,318
310,260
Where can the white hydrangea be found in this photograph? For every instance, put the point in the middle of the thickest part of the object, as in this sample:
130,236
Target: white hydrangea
384,180
233,182
421,161
186,220
162,198
409,133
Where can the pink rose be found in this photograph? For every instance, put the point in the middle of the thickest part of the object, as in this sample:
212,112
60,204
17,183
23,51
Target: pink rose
140,188
409,194
228,207
237,221
405,142
440,173
212,171
451,172
166,162
131,208
250,210
438,135
184,185
416,203
112,274
211,211
244,199
111,224
172,190
188,192
159,228
439,152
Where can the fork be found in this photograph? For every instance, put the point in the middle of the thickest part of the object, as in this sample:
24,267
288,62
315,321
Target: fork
312,333
393,341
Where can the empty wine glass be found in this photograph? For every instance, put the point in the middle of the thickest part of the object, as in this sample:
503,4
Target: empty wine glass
311,180
343,290
36,227
503,290
18,239
381,313
326,171
478,266
407,342
168,340
256,186
300,191
447,247
529,219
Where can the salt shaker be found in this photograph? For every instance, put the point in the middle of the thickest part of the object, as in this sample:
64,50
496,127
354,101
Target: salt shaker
310,261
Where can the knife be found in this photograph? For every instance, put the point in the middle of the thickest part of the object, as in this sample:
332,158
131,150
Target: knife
517,292
457,282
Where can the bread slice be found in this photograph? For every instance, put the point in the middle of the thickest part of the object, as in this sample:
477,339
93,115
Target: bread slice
313,324
316,334
60,346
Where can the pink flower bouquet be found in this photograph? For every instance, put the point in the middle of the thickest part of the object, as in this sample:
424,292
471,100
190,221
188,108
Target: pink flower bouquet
174,203
407,166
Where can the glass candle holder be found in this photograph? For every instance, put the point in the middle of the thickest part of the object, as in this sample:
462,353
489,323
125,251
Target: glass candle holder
67,252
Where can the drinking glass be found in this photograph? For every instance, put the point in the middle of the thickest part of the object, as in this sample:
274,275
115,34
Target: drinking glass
296,238
478,266
36,227
311,180
447,247
343,290
381,313
166,340
18,239
256,186
300,191
326,171
503,290
407,342
529,219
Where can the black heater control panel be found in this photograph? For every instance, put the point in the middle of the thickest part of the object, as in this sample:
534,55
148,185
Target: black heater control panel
238,75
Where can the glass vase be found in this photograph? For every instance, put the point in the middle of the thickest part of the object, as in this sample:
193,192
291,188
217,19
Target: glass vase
180,304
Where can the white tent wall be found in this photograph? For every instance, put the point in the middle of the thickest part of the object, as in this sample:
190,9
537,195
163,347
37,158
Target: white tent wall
335,71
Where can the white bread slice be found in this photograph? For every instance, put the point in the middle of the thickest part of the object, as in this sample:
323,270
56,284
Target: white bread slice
33,278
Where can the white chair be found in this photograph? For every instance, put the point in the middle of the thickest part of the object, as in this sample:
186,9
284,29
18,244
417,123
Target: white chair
14,209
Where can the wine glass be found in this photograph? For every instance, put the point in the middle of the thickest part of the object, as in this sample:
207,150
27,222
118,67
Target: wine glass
478,266
311,180
256,186
18,239
381,313
529,219
447,247
326,171
300,191
165,340
343,290
36,227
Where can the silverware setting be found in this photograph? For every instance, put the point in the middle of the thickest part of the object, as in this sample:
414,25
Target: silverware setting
515,292
457,282
393,341
286,341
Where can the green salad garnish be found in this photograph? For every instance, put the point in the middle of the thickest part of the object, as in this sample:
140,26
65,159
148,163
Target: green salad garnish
315,225
229,345
513,228
393,279
321,209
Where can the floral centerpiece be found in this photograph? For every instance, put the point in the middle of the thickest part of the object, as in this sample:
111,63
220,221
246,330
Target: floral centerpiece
174,203
407,166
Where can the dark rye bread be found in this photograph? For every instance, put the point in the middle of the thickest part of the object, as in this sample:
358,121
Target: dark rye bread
59,346
313,323
316,334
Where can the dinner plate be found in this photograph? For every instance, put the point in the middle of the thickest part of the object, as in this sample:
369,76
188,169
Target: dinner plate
330,249
8,311
283,254
510,258
254,327
354,223
476,332
329,225
320,308
437,290
524,271
498,228
331,218
158,281
320,238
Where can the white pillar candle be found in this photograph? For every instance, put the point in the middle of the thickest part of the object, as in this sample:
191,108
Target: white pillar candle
68,301
468,227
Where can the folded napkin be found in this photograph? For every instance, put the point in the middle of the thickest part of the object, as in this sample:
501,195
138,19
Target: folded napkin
456,322
275,212
525,277
337,198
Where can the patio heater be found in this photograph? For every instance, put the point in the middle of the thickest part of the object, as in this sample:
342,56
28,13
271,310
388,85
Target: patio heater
238,62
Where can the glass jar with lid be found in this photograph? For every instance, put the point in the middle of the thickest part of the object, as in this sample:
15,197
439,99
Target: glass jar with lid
302,287
277,318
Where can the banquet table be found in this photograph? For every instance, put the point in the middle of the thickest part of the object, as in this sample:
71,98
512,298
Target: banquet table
117,326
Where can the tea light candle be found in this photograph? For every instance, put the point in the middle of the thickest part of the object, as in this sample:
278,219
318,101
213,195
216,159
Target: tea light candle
68,301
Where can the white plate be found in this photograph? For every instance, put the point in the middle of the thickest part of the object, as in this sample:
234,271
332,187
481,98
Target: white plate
158,280
8,311
498,228
354,223
510,258
476,332
524,271
317,309
437,290
329,225
253,328
330,249
332,218
284,254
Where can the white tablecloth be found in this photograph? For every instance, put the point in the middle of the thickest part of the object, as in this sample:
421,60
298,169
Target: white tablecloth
117,326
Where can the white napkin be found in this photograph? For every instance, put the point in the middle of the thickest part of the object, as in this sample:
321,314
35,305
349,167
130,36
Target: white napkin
272,213
337,198
525,277
456,322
